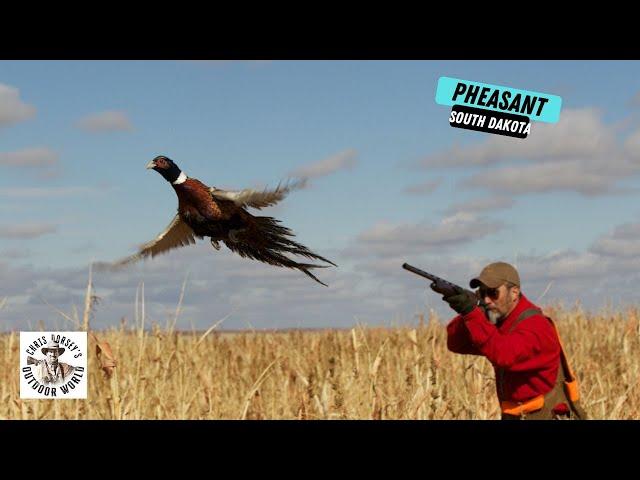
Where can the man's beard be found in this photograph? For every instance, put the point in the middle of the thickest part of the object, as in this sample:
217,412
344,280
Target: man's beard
494,316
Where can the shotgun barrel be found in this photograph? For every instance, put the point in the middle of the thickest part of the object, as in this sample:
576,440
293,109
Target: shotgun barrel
440,285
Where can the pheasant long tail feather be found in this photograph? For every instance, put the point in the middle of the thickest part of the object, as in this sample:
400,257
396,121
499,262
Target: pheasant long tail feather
270,244
277,239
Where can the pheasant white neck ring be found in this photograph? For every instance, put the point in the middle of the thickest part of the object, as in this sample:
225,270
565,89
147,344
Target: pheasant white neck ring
181,179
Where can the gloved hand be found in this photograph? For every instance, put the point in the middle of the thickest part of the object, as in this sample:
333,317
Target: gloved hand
462,302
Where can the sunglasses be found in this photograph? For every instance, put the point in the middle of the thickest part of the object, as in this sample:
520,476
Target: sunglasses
492,293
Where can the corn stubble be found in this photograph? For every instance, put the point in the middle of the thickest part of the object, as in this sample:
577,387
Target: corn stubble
362,373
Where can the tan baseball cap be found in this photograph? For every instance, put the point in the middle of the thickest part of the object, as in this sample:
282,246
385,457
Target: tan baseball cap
495,274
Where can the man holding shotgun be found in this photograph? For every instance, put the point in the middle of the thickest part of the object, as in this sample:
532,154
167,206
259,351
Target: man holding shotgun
533,377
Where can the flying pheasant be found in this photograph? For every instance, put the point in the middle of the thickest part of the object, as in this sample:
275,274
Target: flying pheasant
221,215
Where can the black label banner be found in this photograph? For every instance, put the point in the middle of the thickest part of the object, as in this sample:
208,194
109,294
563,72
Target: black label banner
489,121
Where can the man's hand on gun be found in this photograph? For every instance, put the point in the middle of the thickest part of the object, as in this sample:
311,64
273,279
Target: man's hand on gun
463,301
459,299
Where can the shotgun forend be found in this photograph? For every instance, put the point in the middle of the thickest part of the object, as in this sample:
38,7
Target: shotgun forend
438,284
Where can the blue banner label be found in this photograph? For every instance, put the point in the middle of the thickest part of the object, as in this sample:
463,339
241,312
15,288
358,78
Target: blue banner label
542,107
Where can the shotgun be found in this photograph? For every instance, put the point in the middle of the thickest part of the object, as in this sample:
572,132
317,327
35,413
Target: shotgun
440,285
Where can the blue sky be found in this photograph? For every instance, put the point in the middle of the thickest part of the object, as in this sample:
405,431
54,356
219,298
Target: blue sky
75,137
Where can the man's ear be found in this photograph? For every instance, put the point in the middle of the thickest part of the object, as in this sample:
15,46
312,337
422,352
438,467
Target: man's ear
515,293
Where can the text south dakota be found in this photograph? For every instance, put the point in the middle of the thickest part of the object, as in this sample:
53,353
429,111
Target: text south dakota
489,122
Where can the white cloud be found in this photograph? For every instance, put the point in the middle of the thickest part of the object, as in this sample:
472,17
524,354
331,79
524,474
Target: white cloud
219,283
484,204
580,154
547,177
12,108
424,188
29,157
569,276
589,277
110,121
579,134
632,145
385,239
377,291
15,253
26,231
623,242
562,265
609,269
341,161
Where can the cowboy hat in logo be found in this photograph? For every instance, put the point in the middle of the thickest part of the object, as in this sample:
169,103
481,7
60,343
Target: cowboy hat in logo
53,365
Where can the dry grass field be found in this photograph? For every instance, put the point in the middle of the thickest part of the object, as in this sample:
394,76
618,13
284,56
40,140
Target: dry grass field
362,373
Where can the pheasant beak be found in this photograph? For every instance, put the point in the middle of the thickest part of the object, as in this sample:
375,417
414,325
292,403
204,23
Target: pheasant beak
151,165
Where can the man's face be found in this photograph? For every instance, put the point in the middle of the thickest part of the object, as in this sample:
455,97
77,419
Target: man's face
499,301
52,356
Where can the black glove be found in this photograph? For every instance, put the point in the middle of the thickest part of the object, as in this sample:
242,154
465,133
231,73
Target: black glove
462,302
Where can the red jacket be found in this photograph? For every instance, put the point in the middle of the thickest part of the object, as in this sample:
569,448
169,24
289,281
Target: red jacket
529,355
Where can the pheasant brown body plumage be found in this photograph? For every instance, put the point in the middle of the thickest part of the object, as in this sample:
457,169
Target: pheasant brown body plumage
222,216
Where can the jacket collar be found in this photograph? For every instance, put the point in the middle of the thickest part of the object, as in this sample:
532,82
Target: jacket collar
523,304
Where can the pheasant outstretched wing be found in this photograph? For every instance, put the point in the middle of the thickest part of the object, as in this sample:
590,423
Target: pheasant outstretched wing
177,234
257,199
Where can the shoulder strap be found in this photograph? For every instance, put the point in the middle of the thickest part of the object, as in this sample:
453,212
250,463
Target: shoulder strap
500,371
571,384
566,369
530,312
569,377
